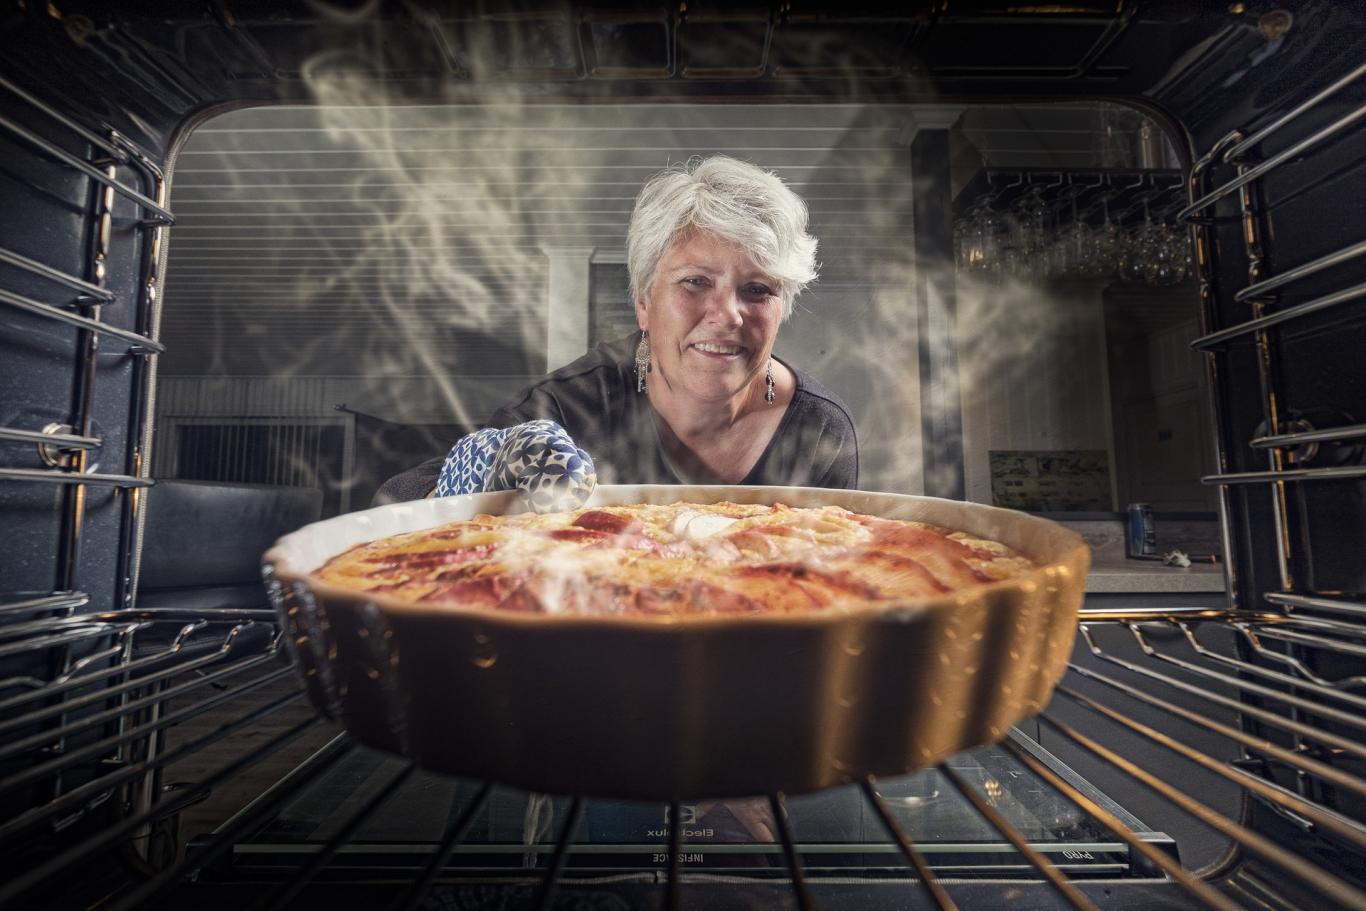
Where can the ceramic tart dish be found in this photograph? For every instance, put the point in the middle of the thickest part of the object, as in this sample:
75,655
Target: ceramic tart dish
691,706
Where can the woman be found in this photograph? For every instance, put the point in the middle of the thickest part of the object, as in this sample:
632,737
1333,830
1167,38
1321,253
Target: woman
717,251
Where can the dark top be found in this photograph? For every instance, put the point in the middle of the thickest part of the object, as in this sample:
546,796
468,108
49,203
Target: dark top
595,400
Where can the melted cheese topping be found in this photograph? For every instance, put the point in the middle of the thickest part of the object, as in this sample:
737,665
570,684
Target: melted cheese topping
680,559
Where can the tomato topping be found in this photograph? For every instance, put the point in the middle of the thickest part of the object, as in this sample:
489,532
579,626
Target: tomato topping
905,564
582,535
715,599
598,520
932,544
481,591
430,559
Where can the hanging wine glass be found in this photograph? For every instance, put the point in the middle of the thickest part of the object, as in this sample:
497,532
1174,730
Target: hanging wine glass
1075,245
1105,245
1169,261
963,249
1027,258
982,240
1138,250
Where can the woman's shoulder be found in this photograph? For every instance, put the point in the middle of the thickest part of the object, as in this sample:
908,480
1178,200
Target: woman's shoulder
813,401
588,383
612,357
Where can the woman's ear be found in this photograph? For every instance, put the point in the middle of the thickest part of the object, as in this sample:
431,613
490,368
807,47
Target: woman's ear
642,315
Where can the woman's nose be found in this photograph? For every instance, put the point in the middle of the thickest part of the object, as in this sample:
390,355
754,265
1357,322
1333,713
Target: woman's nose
723,307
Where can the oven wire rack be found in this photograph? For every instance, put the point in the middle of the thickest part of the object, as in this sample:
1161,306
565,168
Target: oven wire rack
232,674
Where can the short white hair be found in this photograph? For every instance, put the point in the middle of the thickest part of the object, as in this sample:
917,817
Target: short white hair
733,200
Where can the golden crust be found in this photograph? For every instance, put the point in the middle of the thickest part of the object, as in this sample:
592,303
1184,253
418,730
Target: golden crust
683,558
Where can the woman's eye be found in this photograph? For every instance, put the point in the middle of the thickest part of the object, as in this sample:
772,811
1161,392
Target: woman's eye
695,281
758,291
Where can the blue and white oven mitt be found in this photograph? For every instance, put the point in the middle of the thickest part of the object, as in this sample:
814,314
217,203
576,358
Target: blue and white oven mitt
538,459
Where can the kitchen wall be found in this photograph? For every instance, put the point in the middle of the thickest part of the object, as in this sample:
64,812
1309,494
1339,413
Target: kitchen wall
1034,374
1163,433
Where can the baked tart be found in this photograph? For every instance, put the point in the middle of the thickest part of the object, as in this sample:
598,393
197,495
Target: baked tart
673,560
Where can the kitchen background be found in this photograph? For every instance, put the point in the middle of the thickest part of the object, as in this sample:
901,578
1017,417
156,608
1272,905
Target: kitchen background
352,287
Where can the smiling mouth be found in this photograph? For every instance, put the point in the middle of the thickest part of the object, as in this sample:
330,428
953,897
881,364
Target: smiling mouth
708,348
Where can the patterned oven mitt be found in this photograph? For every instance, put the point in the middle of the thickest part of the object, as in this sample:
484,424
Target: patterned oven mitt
538,459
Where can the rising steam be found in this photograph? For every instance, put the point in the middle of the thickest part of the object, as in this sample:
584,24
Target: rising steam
446,209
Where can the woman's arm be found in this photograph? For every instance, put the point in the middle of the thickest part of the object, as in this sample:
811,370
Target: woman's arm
413,484
843,470
836,447
419,482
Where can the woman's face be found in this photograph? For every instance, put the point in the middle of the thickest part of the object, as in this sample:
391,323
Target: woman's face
712,315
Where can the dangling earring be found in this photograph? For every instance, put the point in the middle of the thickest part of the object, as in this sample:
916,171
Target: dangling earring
642,359
768,381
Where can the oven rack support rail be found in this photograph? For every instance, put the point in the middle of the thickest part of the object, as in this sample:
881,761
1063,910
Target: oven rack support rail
1237,149
67,448
79,651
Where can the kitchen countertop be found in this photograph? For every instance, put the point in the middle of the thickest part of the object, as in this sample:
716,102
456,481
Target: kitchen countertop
1114,573
1119,574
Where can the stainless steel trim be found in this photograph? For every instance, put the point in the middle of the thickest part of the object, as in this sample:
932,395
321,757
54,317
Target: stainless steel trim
69,680
933,886
54,601
1287,696
1254,248
1308,104
9,257
58,441
158,614
1252,635
1346,648
1141,614
1328,884
284,896
240,823
1203,246
54,640
1261,288
1260,744
15,747
675,865
114,834
68,477
62,155
1275,161
1317,602
1213,339
1348,829
124,669
1263,715
1291,474
1327,435
545,895
1154,855
451,842
94,139
1308,682
148,311
142,342
1069,892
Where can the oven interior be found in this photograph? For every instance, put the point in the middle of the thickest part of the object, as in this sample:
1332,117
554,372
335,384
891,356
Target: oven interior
1205,749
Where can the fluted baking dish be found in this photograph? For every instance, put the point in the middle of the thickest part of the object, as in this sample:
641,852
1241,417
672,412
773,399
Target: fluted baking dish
687,707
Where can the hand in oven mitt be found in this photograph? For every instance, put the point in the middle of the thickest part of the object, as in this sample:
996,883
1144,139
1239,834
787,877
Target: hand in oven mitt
538,459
